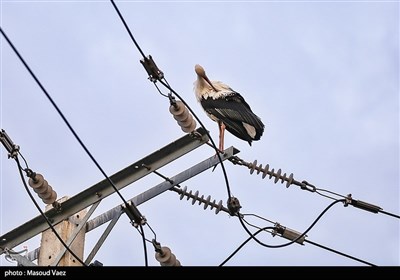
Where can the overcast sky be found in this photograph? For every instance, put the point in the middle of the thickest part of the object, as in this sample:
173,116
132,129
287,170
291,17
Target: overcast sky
322,75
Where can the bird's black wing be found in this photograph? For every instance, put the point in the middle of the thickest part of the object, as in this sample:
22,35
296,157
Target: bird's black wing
233,111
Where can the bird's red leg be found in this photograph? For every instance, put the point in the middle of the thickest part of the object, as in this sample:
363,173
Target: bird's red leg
221,135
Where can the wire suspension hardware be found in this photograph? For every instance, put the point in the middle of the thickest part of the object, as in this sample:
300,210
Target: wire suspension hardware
361,205
195,198
304,185
36,180
181,115
11,148
233,206
137,219
289,233
164,255
155,74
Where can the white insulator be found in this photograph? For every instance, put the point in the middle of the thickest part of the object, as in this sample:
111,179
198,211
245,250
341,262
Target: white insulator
259,169
252,166
46,194
207,202
266,170
188,124
38,183
183,193
183,117
289,182
166,258
177,109
51,199
195,197
201,199
271,173
43,189
277,176
189,194
283,178
219,207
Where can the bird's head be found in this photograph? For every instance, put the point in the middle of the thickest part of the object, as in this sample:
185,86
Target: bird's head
200,70
202,73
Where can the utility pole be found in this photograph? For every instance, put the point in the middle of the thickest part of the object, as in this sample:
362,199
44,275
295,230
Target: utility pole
51,249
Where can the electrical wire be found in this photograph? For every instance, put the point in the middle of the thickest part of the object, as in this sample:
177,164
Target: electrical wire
254,226
160,91
305,240
244,243
274,233
340,253
252,236
304,185
390,214
309,241
44,216
127,28
328,191
62,116
66,121
146,263
166,84
296,239
26,163
257,216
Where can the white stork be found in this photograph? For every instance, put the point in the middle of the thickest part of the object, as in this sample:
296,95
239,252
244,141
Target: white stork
228,108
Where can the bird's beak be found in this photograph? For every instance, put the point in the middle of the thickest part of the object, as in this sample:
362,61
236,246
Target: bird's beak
209,82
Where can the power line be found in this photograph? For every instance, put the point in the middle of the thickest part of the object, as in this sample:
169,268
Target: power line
146,262
389,214
298,237
304,240
61,114
127,28
135,215
154,73
304,185
244,243
338,252
196,197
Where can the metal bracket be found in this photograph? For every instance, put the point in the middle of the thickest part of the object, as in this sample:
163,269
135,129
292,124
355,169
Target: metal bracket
152,70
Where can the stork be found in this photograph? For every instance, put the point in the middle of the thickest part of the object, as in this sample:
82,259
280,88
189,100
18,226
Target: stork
228,108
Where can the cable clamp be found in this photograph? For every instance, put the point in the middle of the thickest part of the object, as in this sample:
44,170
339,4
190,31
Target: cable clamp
152,70
172,100
288,233
134,215
348,201
11,148
308,187
361,204
278,230
156,245
233,206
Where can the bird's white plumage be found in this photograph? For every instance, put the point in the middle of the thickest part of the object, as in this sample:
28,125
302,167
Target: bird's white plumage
250,129
203,90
